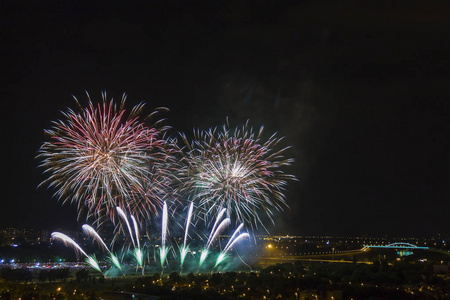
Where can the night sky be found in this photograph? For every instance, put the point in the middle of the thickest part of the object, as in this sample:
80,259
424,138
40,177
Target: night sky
361,91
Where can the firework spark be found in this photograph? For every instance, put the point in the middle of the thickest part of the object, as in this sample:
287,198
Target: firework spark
93,262
236,170
101,158
138,256
115,260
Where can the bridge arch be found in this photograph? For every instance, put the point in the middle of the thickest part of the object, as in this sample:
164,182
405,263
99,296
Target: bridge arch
396,245
402,245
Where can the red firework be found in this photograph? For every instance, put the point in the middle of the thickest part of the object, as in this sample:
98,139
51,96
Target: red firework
100,158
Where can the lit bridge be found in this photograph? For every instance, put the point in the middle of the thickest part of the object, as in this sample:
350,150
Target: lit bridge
395,246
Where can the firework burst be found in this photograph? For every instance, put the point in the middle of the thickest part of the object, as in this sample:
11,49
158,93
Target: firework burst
236,170
100,158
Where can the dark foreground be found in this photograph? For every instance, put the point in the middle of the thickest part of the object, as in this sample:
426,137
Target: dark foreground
380,280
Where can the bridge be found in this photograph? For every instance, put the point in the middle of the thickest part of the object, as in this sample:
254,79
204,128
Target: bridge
395,246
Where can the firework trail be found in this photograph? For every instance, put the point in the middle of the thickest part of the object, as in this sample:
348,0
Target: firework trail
230,244
188,222
138,254
136,231
90,259
234,234
237,170
93,262
91,232
219,229
124,217
100,158
115,260
163,250
68,242
226,222
219,217
164,225
215,231
185,249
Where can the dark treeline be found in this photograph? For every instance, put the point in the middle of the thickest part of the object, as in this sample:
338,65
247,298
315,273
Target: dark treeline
28,275
380,280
